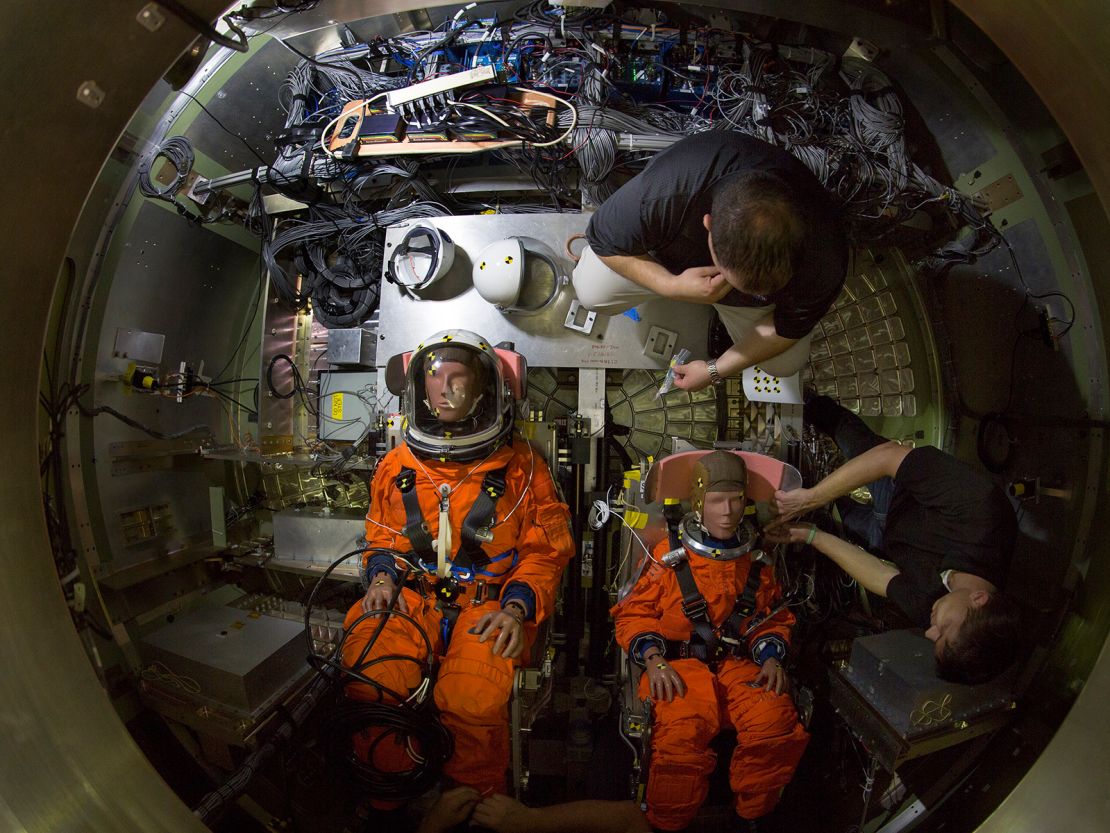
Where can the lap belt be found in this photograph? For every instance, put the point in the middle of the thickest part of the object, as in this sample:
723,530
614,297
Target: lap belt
449,589
476,527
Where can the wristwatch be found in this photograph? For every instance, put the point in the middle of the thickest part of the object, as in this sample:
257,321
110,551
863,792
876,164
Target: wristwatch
716,378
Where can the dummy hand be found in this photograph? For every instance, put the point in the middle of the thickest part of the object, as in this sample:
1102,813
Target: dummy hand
380,592
789,505
782,532
699,285
663,680
452,808
510,641
504,815
691,376
771,676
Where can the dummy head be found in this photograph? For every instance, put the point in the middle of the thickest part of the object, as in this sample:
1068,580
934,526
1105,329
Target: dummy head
457,404
718,492
453,383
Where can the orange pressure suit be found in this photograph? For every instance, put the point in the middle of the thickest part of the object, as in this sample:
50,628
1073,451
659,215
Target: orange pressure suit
531,546
769,739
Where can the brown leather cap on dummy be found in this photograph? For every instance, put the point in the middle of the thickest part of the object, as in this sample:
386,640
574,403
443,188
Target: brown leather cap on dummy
717,471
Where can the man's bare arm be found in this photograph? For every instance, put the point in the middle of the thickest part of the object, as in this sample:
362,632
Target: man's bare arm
759,344
698,284
872,573
875,463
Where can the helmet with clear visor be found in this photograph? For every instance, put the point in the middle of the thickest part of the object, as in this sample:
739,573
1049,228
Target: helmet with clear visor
457,406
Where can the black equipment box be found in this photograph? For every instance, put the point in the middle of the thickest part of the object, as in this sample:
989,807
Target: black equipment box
890,697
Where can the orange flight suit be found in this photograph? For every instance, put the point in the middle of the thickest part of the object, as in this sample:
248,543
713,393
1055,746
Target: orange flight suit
531,544
769,739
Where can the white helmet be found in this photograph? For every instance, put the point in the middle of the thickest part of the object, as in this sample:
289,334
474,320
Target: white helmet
502,267
457,404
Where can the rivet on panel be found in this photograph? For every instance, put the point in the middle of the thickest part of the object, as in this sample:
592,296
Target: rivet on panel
90,94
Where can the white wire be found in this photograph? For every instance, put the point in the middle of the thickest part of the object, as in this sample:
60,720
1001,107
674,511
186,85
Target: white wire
573,111
345,114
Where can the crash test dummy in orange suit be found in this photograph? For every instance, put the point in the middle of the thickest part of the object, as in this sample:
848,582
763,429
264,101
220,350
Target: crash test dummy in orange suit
478,512
703,621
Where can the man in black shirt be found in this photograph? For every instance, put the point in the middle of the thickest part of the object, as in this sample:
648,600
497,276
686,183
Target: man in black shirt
946,532
725,219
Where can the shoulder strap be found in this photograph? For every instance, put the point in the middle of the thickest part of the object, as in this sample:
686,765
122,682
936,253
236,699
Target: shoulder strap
672,513
694,606
415,529
476,525
745,602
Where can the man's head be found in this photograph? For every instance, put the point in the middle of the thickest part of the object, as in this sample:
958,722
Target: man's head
976,635
454,380
755,232
718,492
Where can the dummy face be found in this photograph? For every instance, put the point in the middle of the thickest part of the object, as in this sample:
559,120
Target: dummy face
452,390
722,513
949,613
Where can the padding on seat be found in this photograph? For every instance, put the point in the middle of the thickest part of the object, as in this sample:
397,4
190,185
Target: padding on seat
669,477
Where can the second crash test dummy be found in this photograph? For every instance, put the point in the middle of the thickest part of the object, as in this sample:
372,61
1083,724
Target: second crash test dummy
705,622
476,510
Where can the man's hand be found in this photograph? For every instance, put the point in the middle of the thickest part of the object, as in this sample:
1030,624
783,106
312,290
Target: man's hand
380,592
663,680
510,622
452,808
504,815
792,504
692,376
781,532
698,285
772,676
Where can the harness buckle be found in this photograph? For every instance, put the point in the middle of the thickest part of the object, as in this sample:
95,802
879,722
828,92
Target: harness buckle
495,484
697,609
479,592
448,589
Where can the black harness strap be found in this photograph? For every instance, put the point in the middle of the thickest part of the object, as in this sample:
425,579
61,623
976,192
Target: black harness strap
416,530
745,604
475,528
476,525
695,608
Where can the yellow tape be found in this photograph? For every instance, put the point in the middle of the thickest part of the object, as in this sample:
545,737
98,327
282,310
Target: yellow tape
635,519
337,406
671,501
632,474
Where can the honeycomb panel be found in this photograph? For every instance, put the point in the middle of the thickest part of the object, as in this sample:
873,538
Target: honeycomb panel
860,355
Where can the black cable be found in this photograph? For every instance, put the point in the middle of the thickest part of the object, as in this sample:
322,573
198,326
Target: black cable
415,725
270,377
204,27
158,435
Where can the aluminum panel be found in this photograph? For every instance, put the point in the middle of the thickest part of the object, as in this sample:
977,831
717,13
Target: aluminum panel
200,304
247,106
226,655
616,341
317,536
